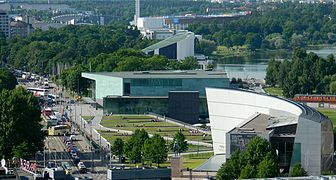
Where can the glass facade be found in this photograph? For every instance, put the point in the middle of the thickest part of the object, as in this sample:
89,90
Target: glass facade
129,105
157,82
135,105
169,51
284,147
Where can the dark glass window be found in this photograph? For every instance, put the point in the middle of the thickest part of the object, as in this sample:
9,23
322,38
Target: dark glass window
127,89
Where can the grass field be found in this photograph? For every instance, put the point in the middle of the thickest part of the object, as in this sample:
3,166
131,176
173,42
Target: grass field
152,126
331,113
194,160
112,136
275,91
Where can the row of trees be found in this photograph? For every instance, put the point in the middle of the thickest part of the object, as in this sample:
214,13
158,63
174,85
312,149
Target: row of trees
305,73
84,48
121,60
141,147
275,26
71,45
20,128
258,160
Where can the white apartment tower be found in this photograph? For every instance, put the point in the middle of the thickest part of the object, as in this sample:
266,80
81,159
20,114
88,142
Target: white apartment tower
4,23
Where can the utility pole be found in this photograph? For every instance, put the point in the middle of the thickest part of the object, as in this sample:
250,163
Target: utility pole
44,158
75,114
55,158
92,156
100,144
81,119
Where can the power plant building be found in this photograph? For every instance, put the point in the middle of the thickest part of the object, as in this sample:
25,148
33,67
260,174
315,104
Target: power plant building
297,132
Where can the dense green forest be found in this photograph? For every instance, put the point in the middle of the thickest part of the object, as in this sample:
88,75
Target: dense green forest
275,26
75,49
69,45
305,73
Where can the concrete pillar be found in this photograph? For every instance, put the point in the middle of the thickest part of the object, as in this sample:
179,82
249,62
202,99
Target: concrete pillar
176,166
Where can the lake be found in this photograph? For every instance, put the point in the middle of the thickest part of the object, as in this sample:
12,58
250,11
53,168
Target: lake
254,66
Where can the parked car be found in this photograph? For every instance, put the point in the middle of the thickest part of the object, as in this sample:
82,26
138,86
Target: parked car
82,167
67,167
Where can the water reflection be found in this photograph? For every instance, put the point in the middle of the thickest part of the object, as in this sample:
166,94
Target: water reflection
253,66
324,52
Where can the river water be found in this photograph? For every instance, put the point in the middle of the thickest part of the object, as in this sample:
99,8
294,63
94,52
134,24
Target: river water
254,66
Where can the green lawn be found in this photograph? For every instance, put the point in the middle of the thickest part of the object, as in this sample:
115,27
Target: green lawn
275,91
194,160
112,136
331,113
152,126
189,161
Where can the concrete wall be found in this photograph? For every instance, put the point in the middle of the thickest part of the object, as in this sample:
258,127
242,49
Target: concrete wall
150,23
185,47
106,85
228,108
120,174
308,134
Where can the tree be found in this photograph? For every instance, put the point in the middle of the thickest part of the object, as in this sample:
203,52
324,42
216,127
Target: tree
232,167
155,150
332,87
247,172
268,167
258,160
298,171
189,63
7,79
205,47
133,146
253,41
117,148
256,150
20,128
72,79
179,143
272,72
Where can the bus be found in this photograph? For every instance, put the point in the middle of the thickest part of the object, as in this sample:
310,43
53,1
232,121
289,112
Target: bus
58,130
38,92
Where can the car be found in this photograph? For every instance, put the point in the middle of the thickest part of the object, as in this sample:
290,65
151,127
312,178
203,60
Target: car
67,167
73,137
82,167
68,144
74,155
51,164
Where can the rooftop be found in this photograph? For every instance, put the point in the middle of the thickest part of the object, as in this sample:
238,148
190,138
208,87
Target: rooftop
18,24
257,123
307,112
162,74
169,41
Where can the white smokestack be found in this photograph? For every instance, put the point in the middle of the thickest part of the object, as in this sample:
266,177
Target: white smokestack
137,12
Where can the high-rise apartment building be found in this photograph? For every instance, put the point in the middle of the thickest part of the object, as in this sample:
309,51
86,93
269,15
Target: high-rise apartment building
4,23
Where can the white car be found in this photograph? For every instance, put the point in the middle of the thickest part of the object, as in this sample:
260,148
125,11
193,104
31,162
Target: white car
73,137
82,167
